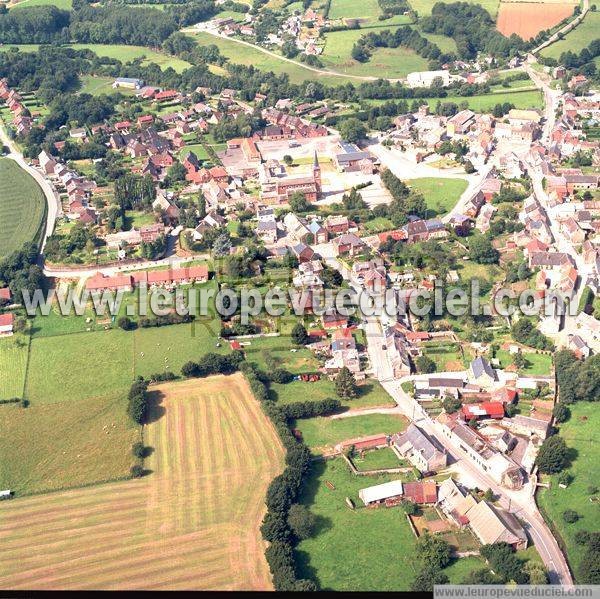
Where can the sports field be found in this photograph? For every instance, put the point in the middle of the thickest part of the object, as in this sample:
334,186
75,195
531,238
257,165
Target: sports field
22,207
577,39
527,19
191,523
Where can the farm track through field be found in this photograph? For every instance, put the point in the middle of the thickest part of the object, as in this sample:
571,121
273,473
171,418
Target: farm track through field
190,524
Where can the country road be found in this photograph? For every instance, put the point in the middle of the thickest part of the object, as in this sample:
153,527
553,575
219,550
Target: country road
283,58
563,30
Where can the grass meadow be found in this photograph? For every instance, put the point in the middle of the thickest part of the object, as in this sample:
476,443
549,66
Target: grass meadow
22,207
49,446
13,365
387,62
577,39
580,433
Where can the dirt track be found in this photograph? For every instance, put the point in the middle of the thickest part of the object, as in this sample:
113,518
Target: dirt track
190,524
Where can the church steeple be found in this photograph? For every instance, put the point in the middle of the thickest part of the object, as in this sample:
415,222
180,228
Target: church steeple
317,173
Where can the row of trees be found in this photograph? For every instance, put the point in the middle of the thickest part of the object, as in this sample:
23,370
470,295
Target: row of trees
19,271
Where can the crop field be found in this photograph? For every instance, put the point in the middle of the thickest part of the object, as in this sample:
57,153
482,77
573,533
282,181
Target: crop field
47,447
13,364
387,62
527,19
580,433
322,434
441,195
22,207
577,39
191,523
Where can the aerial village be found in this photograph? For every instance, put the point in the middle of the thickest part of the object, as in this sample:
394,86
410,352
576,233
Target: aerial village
300,204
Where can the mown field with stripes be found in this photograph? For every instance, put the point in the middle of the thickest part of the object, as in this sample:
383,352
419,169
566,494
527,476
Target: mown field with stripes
22,207
191,523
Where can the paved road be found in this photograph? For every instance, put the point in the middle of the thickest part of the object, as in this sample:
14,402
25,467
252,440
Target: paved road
52,198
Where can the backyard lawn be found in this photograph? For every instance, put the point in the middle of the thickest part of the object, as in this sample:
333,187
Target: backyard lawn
536,365
441,195
348,543
580,433
322,434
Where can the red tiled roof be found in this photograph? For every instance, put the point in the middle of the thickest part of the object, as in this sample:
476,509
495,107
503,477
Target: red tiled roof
6,320
5,293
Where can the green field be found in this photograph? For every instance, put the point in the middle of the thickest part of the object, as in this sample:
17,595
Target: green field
377,459
22,207
580,433
576,40
353,9
63,4
323,433
441,195
485,103
242,54
53,446
362,549
385,62
370,394
423,7
537,364
79,366
120,52
13,365
96,86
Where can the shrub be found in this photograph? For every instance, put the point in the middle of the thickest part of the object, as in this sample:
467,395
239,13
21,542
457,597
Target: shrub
136,471
138,450
570,516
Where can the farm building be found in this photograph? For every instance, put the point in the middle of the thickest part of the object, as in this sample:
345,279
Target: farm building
421,492
424,452
455,503
495,525
128,83
369,442
486,409
378,494
7,322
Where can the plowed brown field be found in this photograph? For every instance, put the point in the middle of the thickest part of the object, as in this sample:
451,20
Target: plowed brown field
190,524
527,19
